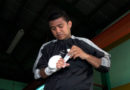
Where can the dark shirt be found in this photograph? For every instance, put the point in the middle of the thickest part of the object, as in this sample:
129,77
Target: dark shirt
79,75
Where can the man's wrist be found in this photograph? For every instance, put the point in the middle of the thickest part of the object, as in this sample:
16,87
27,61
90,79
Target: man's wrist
49,71
86,56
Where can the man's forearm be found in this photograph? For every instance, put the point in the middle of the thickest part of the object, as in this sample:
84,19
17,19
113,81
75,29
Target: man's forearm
94,61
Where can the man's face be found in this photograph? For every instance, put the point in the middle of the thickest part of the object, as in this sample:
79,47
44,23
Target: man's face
60,28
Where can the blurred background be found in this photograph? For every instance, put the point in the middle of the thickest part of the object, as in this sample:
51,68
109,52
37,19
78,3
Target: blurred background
23,29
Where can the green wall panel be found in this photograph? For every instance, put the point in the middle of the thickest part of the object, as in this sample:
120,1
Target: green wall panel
11,85
120,64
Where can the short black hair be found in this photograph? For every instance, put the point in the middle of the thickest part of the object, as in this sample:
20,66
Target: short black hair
57,13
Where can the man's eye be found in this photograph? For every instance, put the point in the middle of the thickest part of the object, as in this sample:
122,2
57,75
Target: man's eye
61,26
52,28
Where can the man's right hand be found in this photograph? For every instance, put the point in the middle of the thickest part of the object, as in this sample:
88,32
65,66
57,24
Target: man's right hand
55,63
61,64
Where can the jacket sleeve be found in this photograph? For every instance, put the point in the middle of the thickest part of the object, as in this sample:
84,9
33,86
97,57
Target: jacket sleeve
100,53
41,62
105,60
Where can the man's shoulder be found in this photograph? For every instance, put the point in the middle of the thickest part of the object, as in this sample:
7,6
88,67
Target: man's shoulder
84,39
48,43
87,41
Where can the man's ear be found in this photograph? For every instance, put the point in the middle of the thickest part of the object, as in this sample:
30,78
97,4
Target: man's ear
70,23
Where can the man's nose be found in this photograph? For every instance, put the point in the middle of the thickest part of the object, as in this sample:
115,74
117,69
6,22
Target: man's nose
58,30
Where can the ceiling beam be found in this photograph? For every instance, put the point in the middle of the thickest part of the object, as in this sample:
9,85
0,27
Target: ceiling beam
114,32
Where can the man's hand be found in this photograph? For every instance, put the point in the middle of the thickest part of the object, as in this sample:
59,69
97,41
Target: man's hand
61,64
75,52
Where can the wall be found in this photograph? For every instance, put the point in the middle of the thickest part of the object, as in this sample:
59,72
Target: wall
120,28
11,85
120,66
97,79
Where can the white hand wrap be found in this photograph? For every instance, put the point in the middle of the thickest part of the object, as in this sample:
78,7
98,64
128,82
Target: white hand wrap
52,63
37,75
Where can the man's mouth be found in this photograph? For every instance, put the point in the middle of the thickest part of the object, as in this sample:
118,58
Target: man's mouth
59,35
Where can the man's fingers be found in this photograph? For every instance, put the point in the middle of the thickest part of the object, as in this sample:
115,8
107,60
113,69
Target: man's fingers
75,55
61,64
72,51
58,65
67,64
74,46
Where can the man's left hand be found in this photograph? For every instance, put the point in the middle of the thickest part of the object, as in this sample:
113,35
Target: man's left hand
76,51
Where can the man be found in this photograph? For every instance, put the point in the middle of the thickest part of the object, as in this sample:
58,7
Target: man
75,73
